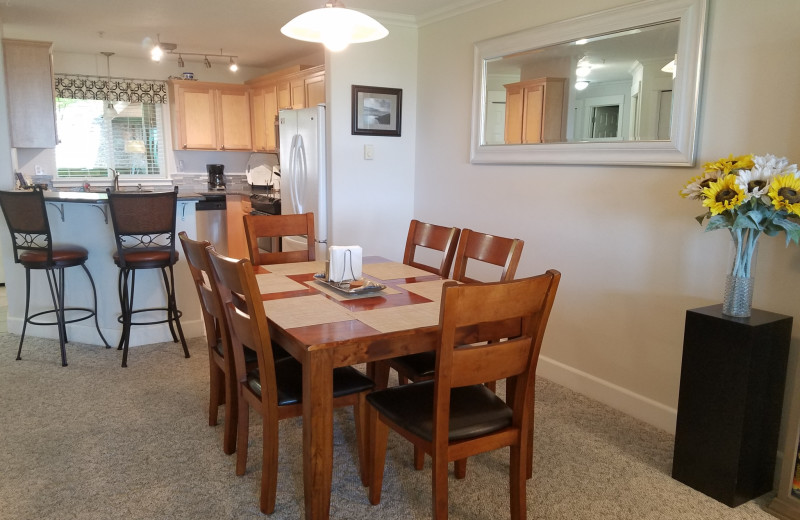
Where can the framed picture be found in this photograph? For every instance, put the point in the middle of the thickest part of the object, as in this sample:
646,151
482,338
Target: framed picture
377,110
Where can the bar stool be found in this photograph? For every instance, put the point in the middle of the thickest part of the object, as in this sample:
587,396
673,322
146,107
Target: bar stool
26,217
144,230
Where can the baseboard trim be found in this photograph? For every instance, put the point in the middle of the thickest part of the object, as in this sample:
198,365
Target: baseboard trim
617,397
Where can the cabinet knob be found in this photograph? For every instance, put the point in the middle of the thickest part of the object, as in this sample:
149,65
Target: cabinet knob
184,146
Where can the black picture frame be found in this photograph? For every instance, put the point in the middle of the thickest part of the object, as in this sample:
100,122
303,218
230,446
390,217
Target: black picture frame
376,110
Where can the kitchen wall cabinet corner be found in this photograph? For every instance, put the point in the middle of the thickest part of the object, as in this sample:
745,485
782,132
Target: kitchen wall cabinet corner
31,93
210,116
535,111
264,117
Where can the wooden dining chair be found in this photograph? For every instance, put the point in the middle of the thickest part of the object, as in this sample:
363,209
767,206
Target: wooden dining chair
270,226
473,246
275,389
455,415
222,374
431,236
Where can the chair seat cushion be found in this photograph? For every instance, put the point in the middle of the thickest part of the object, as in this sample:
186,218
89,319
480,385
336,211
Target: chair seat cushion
63,256
144,258
416,366
250,355
289,380
474,410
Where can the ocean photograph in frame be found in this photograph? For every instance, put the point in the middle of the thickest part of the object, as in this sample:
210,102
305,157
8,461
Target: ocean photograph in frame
376,110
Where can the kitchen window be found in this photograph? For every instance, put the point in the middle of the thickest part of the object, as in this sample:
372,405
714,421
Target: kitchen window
97,136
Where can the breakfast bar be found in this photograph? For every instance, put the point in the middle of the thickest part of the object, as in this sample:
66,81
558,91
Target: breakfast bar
82,218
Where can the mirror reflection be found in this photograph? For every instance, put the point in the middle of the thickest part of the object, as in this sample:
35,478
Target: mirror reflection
608,87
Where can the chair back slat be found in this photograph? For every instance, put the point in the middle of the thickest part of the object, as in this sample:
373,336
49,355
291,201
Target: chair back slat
26,217
241,301
497,361
431,236
269,226
490,249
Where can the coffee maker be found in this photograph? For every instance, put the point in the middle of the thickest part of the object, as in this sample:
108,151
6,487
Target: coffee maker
216,176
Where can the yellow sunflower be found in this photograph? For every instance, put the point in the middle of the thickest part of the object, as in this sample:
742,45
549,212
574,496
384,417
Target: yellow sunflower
785,193
742,162
722,195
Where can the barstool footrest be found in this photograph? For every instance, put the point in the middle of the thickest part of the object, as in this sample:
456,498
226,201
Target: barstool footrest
179,313
66,321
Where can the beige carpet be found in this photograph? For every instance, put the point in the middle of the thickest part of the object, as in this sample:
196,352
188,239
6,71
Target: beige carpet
95,441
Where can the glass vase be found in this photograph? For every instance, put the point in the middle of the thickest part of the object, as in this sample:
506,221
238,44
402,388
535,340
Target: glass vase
739,283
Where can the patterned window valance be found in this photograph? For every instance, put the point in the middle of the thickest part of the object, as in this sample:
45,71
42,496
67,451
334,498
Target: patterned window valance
74,86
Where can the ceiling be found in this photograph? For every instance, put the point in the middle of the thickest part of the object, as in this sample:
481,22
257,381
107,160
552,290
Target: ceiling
249,29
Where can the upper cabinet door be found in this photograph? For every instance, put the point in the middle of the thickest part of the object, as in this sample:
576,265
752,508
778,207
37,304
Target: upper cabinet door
234,119
196,119
31,96
315,89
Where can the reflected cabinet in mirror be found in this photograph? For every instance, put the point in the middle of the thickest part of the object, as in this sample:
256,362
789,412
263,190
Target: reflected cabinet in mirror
616,87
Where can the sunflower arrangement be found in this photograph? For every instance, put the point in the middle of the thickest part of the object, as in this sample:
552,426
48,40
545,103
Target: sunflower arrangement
749,195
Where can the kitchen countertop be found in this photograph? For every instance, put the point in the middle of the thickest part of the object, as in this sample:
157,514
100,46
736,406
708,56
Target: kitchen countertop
101,197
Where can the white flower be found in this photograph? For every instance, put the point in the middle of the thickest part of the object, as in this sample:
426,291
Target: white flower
755,182
694,190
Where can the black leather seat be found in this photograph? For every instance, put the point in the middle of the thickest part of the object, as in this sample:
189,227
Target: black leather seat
474,410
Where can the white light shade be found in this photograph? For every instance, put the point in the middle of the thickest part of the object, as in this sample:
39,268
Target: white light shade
583,70
156,53
581,85
335,27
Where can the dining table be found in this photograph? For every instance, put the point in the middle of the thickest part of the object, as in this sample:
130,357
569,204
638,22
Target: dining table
325,327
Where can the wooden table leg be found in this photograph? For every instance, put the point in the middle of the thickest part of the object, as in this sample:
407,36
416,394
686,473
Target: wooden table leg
378,371
317,433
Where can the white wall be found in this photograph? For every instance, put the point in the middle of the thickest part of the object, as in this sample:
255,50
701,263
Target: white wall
372,200
632,256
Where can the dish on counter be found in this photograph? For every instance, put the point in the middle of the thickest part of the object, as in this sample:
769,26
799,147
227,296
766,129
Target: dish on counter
359,286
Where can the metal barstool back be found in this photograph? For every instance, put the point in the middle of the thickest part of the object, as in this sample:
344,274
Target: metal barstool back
26,217
144,230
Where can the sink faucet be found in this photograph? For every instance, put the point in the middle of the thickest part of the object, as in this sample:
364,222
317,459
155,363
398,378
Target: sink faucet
116,178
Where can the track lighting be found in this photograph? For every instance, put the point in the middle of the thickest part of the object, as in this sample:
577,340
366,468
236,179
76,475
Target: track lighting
161,48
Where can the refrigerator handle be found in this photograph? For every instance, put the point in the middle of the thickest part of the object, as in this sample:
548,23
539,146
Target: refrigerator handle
300,174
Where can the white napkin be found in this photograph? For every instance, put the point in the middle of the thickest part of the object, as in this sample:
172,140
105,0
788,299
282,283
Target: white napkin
344,263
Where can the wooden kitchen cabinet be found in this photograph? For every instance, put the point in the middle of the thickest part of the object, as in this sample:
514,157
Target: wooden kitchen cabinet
265,112
314,89
233,116
210,116
31,94
295,87
535,111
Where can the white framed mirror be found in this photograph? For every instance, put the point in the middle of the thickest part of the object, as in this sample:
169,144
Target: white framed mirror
619,87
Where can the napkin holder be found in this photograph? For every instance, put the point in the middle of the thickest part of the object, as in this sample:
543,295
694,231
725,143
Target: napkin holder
344,264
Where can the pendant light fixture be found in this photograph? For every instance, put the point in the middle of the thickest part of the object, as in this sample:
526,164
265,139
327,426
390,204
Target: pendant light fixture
334,26
108,111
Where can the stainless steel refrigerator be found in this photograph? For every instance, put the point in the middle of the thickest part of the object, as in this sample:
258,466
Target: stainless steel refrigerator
304,173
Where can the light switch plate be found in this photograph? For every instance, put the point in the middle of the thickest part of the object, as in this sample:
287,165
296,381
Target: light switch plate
369,152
